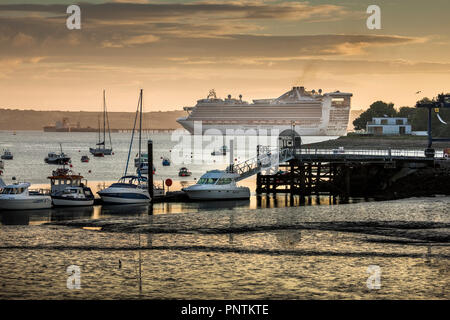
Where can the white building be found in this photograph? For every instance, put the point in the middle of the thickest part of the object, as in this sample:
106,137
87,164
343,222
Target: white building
383,126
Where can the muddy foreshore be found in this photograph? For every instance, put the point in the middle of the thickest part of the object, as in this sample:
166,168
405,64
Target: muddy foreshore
418,227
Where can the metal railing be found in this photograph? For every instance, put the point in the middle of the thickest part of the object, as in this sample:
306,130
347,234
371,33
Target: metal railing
386,153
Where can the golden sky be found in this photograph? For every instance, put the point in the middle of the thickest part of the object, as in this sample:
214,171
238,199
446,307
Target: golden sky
178,50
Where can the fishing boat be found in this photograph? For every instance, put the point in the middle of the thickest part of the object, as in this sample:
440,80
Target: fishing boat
130,188
184,172
217,185
100,149
19,197
84,159
7,155
69,189
57,158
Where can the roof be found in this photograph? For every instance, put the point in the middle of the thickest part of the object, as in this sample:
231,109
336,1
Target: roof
18,185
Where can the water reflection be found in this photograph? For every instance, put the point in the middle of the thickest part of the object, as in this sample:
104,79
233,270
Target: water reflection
125,209
31,217
26,217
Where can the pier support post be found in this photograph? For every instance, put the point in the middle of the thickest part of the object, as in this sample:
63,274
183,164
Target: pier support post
150,168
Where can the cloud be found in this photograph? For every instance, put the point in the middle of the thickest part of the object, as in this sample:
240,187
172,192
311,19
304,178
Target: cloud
142,11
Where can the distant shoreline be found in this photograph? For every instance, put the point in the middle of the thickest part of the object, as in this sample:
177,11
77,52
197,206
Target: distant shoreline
17,120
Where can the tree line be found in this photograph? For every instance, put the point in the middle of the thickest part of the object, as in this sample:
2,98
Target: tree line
417,117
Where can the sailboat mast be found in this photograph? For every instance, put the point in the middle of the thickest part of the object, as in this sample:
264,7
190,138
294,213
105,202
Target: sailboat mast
140,127
132,137
104,118
99,129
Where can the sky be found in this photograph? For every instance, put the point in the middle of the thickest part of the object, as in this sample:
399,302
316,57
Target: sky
178,50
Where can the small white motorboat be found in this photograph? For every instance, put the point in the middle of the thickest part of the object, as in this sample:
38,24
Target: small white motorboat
19,197
215,185
129,189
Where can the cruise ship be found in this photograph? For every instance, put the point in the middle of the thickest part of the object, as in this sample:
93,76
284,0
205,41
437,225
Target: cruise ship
311,113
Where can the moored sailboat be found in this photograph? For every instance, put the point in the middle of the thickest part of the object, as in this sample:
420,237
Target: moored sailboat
100,148
129,189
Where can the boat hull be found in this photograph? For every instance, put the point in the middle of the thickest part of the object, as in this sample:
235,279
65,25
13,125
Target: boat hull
57,161
233,194
122,200
67,202
124,196
32,203
106,152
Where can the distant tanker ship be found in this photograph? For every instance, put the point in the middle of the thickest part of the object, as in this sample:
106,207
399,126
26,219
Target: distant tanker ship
64,126
312,113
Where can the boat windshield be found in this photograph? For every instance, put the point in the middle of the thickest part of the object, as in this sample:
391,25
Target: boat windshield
13,190
223,181
207,181
70,191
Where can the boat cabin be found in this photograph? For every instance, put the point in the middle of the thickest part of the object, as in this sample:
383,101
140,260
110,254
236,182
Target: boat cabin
59,181
19,188
130,182
218,177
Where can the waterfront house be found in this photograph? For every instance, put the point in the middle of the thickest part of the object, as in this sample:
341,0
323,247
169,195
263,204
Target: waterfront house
388,126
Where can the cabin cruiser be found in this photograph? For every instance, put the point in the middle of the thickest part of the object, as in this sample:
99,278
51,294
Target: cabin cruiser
68,189
54,158
129,189
19,197
215,185
7,155
143,169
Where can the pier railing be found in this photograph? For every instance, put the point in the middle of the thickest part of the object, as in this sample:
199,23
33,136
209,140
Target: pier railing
364,153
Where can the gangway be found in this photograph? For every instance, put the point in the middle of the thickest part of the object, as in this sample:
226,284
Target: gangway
267,158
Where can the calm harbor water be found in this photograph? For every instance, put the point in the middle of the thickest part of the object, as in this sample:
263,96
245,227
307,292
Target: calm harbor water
214,250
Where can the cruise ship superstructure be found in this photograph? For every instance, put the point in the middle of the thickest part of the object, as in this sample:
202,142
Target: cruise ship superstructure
311,113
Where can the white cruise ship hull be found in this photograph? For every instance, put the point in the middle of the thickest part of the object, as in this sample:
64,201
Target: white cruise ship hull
247,129
29,203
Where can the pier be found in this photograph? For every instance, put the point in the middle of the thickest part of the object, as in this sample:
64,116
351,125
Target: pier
295,170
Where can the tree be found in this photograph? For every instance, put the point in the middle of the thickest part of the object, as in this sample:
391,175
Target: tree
376,109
